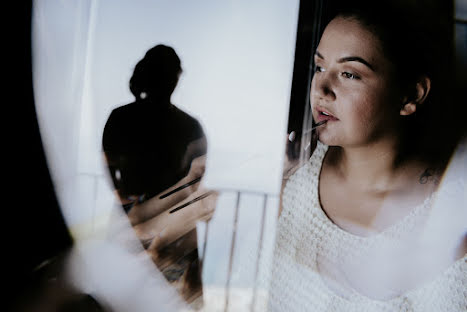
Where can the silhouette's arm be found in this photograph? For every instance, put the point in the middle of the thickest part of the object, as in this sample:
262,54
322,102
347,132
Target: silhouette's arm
143,212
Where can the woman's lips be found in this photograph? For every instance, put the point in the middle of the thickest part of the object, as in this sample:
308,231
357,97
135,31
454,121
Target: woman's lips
324,115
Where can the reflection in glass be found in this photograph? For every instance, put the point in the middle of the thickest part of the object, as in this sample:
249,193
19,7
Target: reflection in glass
155,154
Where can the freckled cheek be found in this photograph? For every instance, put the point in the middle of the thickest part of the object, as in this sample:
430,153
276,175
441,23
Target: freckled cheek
360,113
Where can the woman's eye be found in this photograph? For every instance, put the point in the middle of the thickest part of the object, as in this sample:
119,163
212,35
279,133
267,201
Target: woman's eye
350,75
318,69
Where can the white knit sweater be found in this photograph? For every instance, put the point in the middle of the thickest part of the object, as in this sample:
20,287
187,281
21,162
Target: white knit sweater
313,256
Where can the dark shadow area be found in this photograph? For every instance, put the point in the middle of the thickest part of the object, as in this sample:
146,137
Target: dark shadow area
151,146
37,238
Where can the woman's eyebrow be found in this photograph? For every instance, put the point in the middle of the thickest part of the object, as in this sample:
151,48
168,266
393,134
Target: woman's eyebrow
355,59
349,59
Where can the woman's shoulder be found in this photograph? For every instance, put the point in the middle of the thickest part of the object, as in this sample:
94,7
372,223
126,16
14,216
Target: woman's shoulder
188,121
121,115
302,187
310,170
121,110
317,158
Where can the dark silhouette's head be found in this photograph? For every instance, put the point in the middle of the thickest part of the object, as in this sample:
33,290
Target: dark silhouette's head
156,75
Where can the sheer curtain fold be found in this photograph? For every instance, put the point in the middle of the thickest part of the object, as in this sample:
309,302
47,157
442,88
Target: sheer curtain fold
62,51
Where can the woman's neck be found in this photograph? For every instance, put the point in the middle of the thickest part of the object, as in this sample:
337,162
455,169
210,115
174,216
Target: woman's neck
371,167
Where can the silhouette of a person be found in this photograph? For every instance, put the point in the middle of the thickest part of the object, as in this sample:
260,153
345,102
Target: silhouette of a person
149,144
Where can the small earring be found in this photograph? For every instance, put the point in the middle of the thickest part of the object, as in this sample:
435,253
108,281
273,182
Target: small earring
143,95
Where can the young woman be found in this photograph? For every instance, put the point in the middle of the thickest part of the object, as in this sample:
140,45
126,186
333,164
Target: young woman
352,217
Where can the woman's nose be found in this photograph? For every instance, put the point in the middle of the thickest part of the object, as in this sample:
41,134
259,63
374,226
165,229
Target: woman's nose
322,86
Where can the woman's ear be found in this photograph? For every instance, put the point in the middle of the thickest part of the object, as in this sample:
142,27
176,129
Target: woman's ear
422,88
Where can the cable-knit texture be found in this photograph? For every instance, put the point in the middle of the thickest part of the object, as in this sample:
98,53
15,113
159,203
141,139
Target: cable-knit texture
310,249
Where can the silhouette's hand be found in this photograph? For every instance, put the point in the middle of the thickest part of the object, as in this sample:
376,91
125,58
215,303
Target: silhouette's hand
143,212
197,168
169,237
166,227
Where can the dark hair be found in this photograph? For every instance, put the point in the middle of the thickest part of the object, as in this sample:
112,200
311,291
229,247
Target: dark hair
157,73
418,43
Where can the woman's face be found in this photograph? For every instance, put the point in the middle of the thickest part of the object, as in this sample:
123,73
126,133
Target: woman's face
353,86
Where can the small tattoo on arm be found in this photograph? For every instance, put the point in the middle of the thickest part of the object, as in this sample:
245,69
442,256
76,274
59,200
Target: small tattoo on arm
427,175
